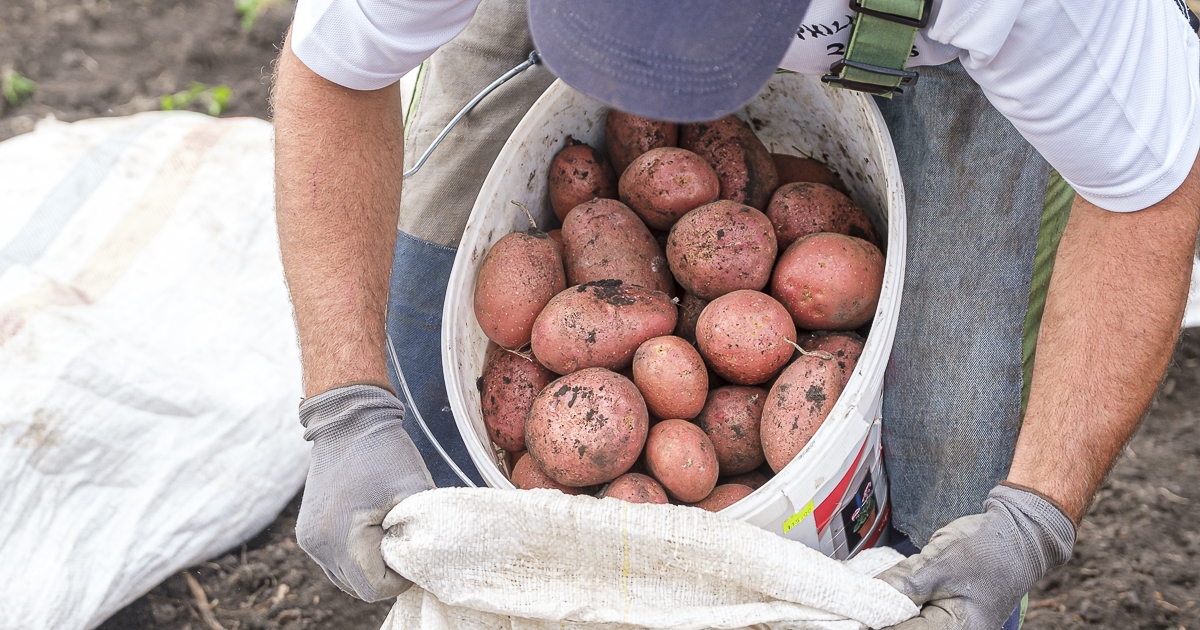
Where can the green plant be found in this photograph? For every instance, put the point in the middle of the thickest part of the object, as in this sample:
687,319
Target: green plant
212,98
250,10
17,89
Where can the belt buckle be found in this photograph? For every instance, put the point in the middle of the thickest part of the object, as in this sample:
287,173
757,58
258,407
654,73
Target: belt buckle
927,8
907,78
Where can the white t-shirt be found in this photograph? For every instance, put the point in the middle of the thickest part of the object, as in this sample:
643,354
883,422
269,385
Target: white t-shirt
1107,90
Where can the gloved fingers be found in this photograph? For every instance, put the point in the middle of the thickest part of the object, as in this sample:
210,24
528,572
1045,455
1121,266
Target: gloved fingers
342,586
362,573
315,533
906,576
921,577
378,587
367,573
952,534
934,617
315,530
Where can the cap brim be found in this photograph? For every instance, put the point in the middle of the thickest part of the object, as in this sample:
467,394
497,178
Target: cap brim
683,61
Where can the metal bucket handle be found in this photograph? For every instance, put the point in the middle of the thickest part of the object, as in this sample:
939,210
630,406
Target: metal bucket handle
533,60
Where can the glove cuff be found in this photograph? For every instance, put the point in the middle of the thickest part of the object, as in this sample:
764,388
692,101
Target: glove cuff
1053,530
326,408
1035,492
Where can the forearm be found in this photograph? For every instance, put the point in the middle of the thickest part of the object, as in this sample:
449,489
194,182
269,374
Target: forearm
1113,311
338,161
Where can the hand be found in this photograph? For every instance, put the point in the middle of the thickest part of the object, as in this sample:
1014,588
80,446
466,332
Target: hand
974,571
363,464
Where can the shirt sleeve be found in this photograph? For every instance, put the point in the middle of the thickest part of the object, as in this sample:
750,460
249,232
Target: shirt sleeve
370,44
1106,90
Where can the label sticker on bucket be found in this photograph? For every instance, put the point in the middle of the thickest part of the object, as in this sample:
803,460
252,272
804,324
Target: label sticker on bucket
798,517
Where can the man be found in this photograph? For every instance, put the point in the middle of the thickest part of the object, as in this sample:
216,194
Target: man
1106,91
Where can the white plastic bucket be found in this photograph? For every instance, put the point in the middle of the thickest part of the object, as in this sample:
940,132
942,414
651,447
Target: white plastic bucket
833,495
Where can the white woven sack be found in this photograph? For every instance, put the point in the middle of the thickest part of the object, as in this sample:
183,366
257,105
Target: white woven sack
149,374
1191,316
539,559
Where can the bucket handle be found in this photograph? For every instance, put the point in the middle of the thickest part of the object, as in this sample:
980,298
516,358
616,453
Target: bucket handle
533,60
412,405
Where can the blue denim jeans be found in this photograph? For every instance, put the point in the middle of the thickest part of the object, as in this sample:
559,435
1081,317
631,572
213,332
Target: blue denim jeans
975,191
420,274
437,200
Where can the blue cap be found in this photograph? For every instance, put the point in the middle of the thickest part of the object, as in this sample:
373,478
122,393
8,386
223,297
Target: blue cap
676,60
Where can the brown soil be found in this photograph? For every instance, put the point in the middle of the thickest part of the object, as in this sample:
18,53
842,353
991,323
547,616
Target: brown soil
118,57
1137,559
1137,563
268,583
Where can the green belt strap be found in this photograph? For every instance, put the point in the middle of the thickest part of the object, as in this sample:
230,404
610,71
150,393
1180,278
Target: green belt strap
1055,212
881,42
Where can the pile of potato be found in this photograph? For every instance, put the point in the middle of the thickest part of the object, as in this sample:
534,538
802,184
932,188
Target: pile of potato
690,326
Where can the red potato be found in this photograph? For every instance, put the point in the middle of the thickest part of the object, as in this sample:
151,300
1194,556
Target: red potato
723,496
730,418
627,136
745,337
520,274
526,475
845,347
664,184
636,488
579,173
690,308
792,169
829,281
752,479
599,324
796,406
797,210
680,456
722,247
587,428
604,240
510,382
740,159
671,376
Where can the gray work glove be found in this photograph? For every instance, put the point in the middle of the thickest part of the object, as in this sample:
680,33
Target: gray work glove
974,571
363,464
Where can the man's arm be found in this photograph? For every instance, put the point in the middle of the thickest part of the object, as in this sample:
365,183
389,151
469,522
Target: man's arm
338,163
339,154
1113,311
